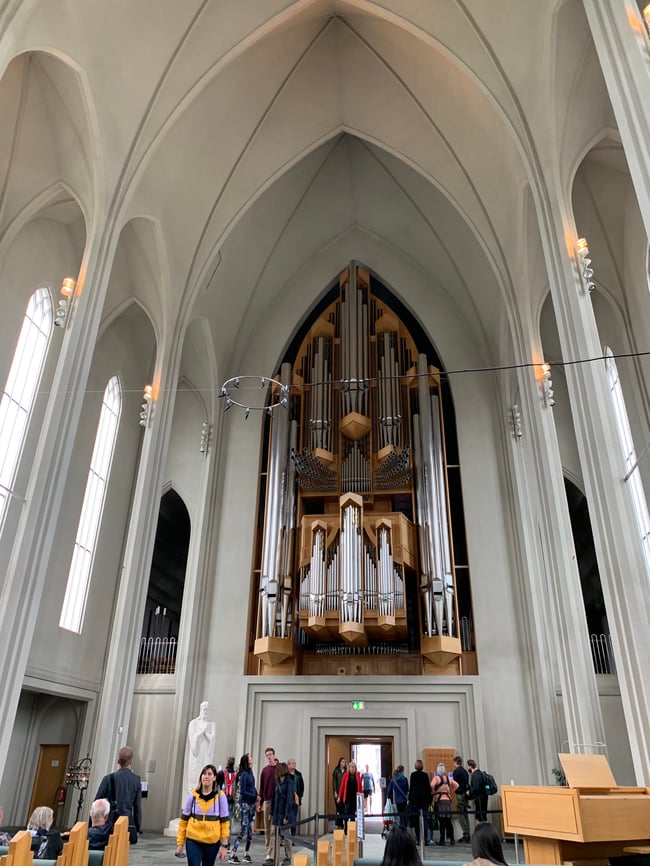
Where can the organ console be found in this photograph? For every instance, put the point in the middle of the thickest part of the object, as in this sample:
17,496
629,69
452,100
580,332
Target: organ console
591,819
356,546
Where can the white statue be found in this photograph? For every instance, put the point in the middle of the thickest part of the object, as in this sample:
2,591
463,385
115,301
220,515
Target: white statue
200,746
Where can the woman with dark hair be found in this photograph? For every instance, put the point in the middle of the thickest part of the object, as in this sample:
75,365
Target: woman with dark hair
204,827
400,849
282,809
486,846
398,792
337,778
247,800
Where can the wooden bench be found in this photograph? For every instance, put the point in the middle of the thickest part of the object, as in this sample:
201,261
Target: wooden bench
75,850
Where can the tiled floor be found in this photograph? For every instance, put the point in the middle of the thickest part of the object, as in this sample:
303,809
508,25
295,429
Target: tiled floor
156,848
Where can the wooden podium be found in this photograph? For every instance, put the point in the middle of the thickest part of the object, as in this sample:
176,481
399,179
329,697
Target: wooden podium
592,819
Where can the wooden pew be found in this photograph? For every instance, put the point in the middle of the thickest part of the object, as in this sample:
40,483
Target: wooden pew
75,851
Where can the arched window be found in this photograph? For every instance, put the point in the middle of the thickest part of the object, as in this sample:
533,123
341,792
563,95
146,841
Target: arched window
74,603
632,474
20,390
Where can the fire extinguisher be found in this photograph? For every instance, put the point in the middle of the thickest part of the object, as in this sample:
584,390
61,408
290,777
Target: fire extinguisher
59,797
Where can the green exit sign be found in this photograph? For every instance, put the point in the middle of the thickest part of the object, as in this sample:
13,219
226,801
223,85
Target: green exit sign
358,705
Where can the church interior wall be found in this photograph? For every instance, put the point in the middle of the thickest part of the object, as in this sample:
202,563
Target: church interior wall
40,255
153,739
58,654
41,719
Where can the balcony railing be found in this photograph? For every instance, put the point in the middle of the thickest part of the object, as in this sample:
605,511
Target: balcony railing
157,655
602,654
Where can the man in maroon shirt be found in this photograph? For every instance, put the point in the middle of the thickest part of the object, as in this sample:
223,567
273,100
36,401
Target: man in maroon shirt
266,788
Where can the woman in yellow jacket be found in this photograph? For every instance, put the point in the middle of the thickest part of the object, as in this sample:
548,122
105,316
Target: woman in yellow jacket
204,826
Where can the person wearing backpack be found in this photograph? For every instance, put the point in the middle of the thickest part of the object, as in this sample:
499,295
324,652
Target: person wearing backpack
477,790
230,784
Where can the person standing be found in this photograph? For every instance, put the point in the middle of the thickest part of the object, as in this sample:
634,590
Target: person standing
398,792
443,787
248,800
123,790
477,790
204,826
461,776
419,801
368,785
298,784
265,802
337,778
230,784
350,787
282,811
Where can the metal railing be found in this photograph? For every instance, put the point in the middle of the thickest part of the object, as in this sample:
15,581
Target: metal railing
602,653
157,655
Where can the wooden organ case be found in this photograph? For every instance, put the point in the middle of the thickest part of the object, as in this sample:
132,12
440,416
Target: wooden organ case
356,570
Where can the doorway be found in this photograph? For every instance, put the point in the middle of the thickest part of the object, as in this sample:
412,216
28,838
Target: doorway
50,776
375,751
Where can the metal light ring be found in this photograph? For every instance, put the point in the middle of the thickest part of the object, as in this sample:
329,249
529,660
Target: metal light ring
232,386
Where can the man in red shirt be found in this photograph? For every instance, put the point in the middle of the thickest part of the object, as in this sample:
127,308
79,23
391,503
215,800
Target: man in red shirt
266,788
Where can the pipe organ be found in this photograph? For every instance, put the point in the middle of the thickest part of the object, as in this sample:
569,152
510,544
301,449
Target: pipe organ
356,546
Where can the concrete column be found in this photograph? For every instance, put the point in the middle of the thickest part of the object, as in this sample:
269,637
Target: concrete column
559,647
116,698
22,587
623,50
625,582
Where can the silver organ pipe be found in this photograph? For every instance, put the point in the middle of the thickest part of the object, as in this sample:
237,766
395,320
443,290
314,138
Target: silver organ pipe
317,575
386,594
443,525
271,548
354,355
434,498
333,580
350,573
424,536
321,411
389,402
370,575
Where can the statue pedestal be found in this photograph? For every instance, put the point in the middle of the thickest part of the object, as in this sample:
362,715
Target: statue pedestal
172,829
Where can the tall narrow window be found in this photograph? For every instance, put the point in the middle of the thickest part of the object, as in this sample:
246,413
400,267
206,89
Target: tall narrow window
20,391
74,603
632,474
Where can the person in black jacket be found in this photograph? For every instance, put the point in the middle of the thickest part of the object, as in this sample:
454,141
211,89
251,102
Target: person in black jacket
477,790
419,801
461,776
123,790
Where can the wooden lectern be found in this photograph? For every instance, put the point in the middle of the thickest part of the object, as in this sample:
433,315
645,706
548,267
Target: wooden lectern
591,819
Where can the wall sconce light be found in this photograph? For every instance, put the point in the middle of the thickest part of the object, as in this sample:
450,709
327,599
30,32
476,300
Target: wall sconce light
515,421
206,437
147,406
646,18
584,265
64,304
547,385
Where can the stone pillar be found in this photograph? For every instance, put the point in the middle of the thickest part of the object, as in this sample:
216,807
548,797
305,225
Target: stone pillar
22,587
625,582
623,49
116,696
560,653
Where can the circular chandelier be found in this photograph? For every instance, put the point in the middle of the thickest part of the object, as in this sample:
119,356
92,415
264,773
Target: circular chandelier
248,392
